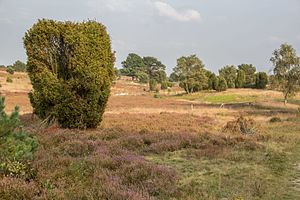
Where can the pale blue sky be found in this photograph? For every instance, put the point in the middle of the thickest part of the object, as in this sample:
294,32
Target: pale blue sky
220,32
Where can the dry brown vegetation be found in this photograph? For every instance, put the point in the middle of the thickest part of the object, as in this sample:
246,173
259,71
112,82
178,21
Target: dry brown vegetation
174,147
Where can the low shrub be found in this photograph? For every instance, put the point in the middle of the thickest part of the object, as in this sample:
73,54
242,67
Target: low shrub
9,80
242,126
157,96
164,85
152,85
10,70
14,188
275,119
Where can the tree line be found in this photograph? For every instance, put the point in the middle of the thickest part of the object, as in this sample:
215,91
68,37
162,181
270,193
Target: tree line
17,66
192,76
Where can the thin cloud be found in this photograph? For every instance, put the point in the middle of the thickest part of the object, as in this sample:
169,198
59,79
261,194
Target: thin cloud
111,5
167,10
276,39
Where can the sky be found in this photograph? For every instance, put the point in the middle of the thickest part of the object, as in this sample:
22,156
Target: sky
219,32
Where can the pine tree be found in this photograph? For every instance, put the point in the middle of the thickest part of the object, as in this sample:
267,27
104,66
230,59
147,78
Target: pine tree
17,145
240,79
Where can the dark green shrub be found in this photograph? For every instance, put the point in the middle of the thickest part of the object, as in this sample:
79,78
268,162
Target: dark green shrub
71,68
9,80
212,82
240,79
10,70
261,80
275,119
17,146
221,84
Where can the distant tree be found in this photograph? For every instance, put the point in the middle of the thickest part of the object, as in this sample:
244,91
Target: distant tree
155,70
2,66
212,82
221,84
261,80
274,83
286,70
19,66
142,77
230,74
10,69
132,66
249,70
191,74
240,79
174,77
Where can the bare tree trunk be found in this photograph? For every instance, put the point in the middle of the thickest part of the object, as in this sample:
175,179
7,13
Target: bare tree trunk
285,99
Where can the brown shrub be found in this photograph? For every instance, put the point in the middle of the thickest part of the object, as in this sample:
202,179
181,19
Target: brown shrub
13,189
244,126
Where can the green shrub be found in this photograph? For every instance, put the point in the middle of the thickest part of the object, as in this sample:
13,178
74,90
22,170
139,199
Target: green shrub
156,96
261,80
152,85
240,79
10,70
165,85
71,68
17,146
9,80
221,84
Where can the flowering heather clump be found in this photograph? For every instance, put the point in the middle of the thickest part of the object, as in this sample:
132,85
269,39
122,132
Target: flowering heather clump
85,165
110,163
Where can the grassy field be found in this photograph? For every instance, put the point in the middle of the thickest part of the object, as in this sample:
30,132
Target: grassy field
173,147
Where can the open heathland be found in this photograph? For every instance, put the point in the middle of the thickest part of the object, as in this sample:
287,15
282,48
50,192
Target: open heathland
236,144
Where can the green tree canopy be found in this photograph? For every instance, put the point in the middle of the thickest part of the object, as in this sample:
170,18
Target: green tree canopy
174,77
221,84
229,72
191,74
19,66
155,69
249,70
286,70
261,80
240,79
212,82
71,68
133,65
